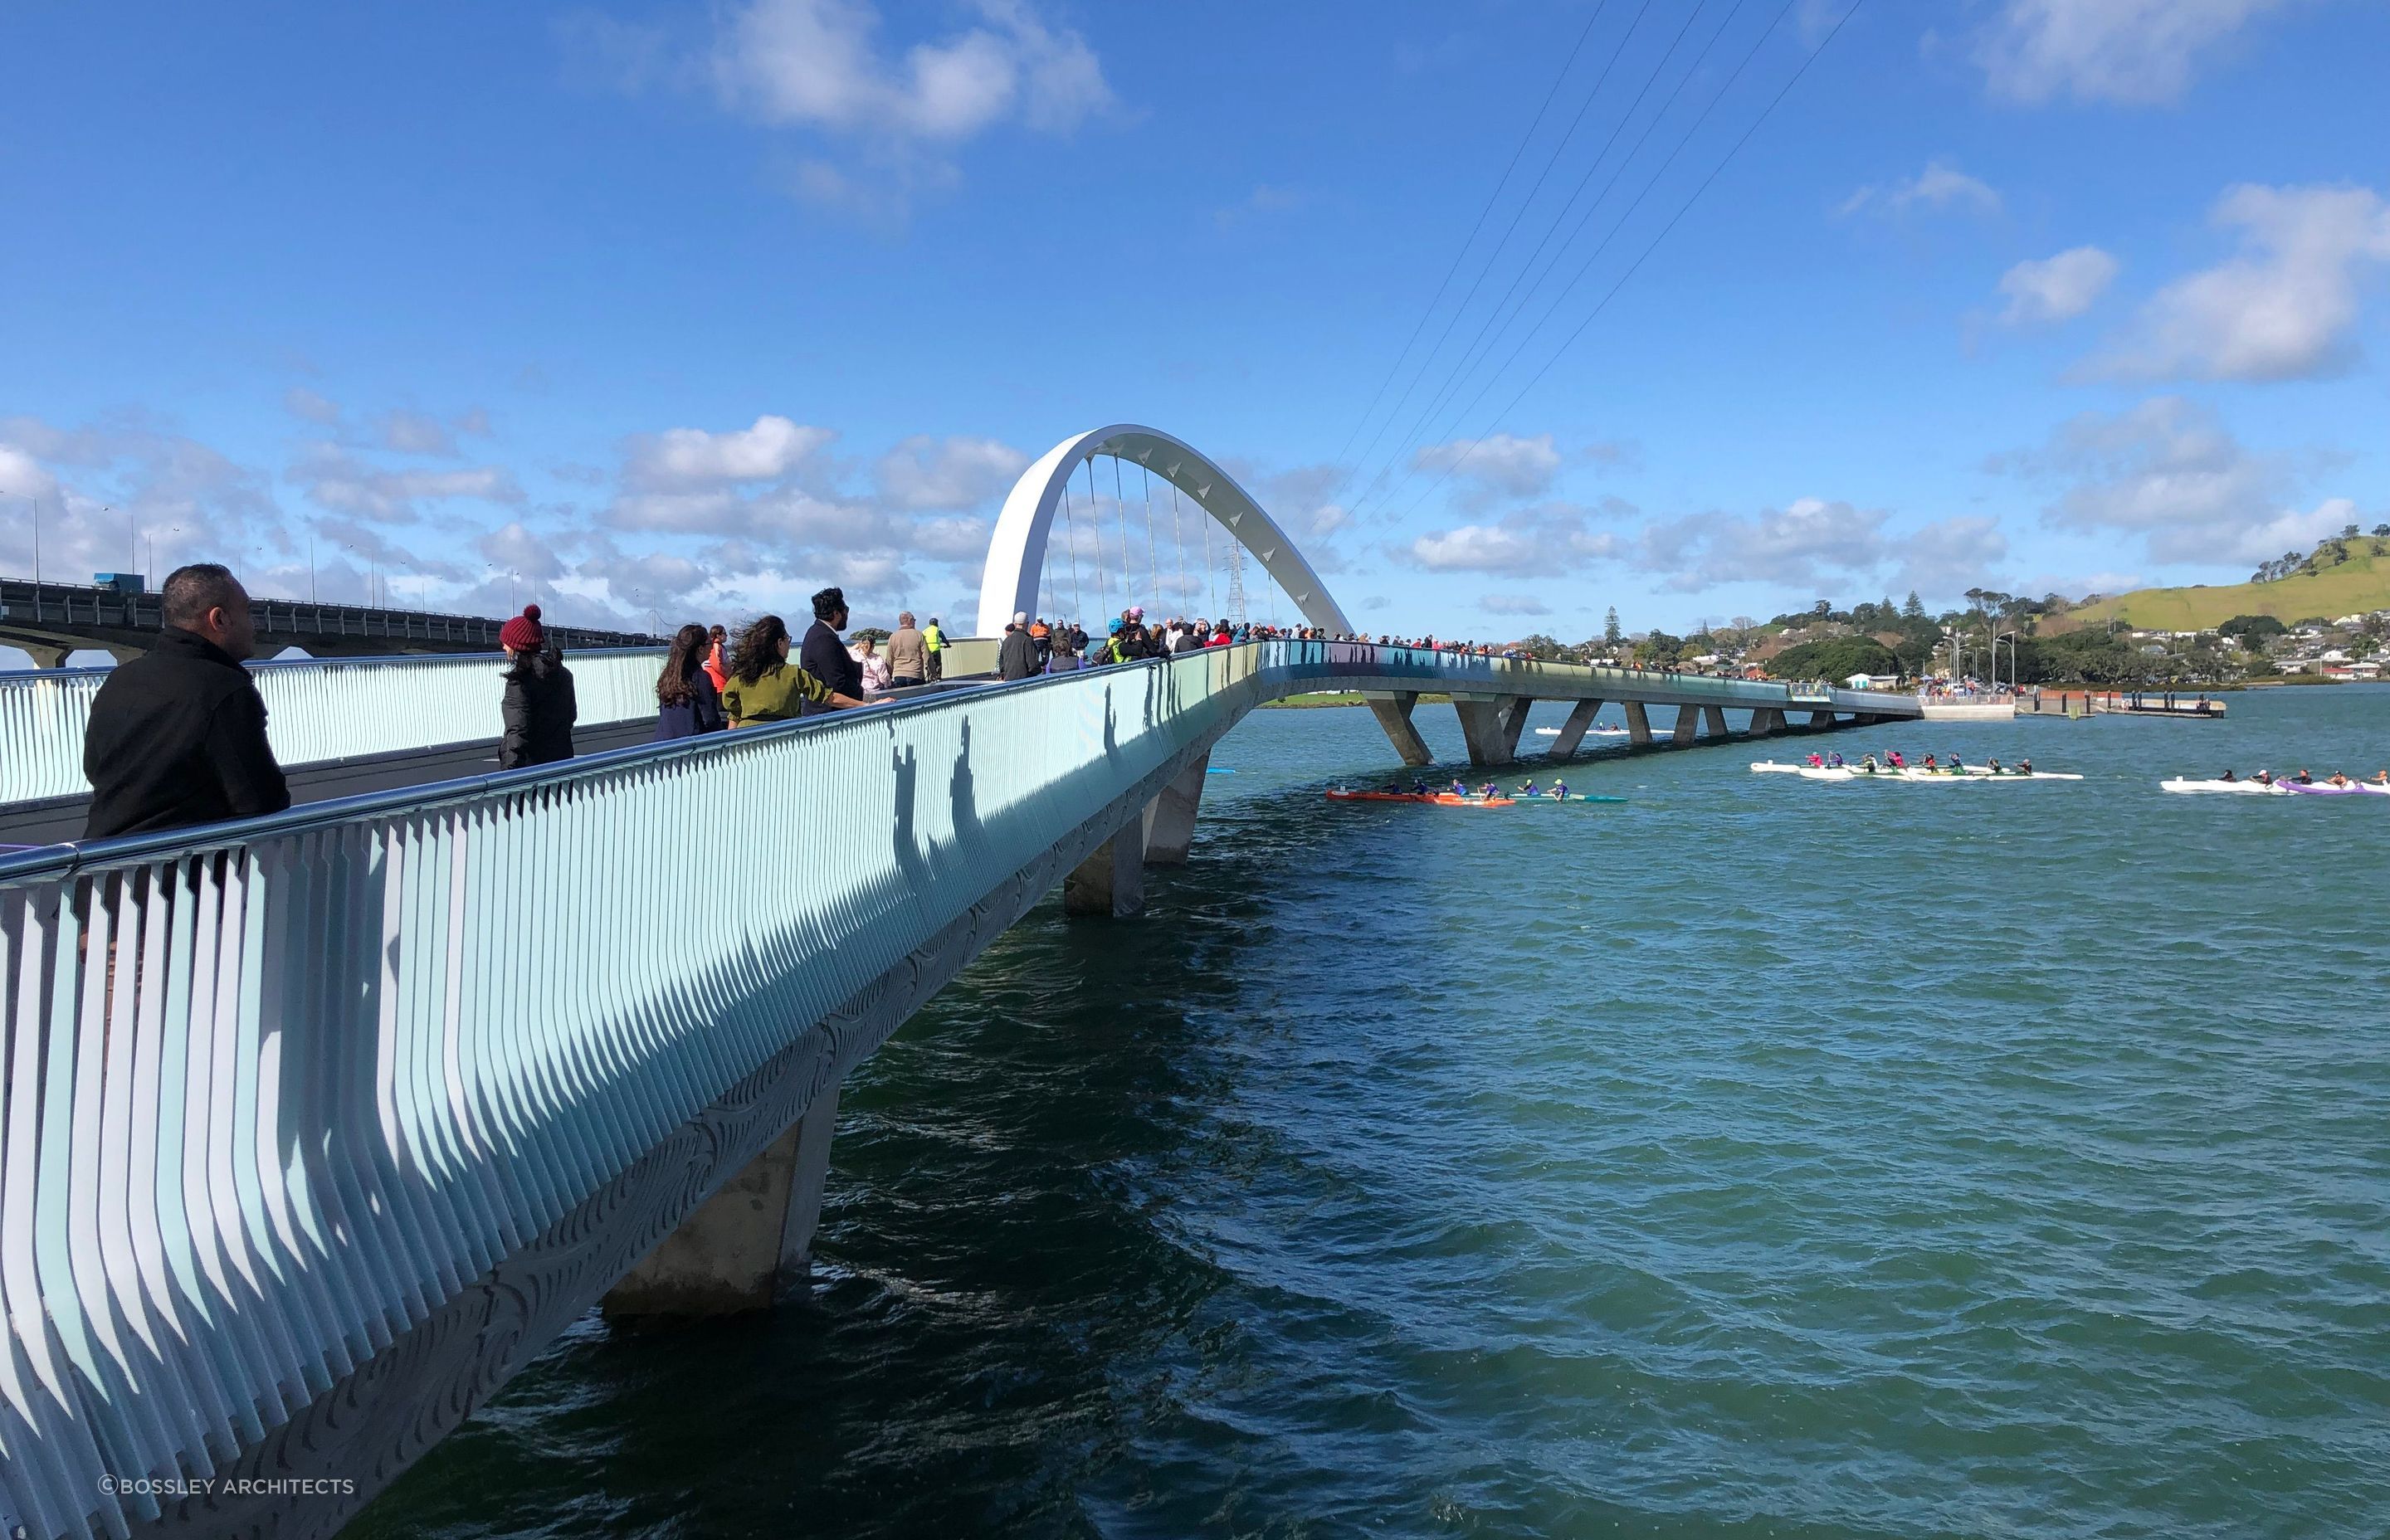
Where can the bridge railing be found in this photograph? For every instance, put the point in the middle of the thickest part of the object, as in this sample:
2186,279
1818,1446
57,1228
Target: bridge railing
319,709
276,1090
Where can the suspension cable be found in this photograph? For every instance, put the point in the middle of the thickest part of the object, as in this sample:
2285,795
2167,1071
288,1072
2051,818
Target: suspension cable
1120,505
1152,566
1178,532
1095,518
1211,567
1071,534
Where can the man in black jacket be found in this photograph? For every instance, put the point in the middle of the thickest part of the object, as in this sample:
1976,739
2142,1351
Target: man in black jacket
825,657
1016,656
177,736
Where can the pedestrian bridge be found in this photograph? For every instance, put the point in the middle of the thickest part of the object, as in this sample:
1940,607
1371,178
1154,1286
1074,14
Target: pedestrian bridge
319,1126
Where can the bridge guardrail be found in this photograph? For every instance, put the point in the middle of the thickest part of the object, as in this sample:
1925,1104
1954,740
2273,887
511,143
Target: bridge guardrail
320,709
279,1089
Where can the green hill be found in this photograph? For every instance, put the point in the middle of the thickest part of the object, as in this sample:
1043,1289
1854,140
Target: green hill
2359,584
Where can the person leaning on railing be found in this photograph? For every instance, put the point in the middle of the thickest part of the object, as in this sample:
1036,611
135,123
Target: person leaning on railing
177,736
765,686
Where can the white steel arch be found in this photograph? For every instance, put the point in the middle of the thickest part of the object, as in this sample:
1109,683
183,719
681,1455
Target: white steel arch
1017,553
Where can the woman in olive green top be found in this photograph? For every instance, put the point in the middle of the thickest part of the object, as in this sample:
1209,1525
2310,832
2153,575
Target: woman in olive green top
763,686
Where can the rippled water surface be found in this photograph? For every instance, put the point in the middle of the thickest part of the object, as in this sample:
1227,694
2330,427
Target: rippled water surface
1757,1157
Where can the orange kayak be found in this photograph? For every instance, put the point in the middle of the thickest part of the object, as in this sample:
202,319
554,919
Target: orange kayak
1438,798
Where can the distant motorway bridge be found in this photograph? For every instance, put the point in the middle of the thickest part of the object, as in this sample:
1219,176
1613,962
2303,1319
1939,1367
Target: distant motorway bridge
319,1126
51,620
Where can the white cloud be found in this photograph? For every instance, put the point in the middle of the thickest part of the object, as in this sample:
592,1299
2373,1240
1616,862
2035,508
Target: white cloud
2169,472
817,63
926,473
1537,542
299,402
2132,51
339,483
1512,604
1941,186
1501,463
1263,200
2056,289
692,458
415,433
109,498
2280,309
1812,541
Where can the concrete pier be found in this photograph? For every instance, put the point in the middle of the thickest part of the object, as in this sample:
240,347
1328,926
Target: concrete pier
1689,722
750,1245
1394,714
1638,724
1111,881
1572,731
1714,718
1170,818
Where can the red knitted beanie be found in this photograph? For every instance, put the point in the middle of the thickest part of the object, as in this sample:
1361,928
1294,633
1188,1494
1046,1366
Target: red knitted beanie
523,633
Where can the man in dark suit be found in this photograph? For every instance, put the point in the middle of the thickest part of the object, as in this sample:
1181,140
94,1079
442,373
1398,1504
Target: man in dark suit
824,656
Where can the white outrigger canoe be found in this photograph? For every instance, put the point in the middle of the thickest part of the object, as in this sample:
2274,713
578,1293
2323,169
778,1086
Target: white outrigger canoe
1590,732
1913,773
2182,788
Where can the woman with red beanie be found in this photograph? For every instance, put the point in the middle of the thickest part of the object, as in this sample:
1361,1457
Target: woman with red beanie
539,704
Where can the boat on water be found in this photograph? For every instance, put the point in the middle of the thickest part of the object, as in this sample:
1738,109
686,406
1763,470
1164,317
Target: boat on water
1433,799
1969,775
1590,732
2184,786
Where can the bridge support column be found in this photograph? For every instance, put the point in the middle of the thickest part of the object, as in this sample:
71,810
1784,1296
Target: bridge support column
748,1246
1638,724
1689,722
1487,727
1714,720
1170,818
1822,719
1572,731
1112,880
46,655
1765,722
1394,714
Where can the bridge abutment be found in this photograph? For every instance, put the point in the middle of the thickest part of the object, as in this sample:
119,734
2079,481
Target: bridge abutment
748,1246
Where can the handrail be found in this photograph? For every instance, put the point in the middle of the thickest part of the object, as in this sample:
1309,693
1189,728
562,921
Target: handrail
319,710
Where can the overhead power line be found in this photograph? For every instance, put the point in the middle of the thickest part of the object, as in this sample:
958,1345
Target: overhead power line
1459,257
1736,148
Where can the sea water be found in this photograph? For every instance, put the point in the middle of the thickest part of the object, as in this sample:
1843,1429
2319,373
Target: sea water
1759,1157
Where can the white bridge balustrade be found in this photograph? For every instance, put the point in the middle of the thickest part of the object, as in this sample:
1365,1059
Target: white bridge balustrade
338,724
317,1126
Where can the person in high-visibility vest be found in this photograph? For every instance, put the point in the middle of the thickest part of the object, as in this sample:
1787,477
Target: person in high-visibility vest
934,637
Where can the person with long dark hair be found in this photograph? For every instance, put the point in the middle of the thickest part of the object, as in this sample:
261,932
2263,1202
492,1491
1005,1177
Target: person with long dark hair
539,707
687,703
765,686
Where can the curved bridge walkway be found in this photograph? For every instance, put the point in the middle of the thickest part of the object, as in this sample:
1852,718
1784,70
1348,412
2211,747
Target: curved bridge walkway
319,1126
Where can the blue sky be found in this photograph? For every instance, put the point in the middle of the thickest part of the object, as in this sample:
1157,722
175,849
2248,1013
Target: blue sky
690,309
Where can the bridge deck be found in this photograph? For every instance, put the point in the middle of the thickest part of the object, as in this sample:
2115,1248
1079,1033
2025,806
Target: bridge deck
320,1125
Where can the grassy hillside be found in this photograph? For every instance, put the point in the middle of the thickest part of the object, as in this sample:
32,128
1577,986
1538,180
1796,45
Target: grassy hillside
2359,584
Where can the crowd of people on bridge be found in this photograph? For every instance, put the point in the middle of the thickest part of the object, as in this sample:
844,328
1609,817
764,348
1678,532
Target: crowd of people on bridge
177,736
